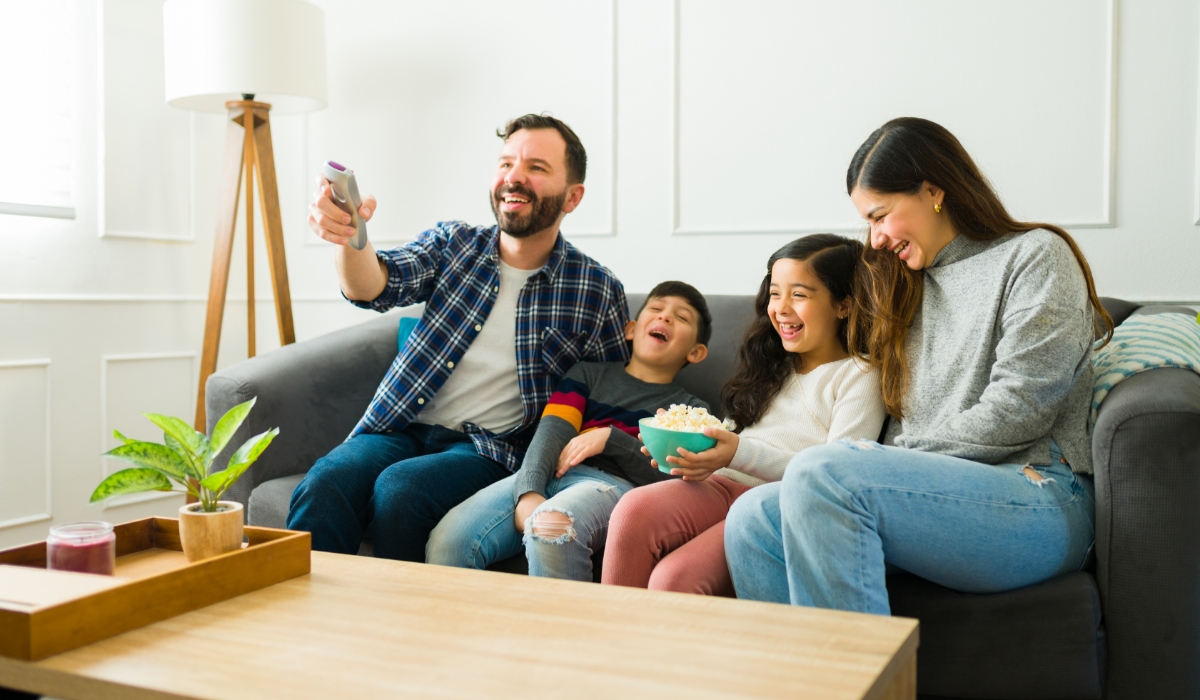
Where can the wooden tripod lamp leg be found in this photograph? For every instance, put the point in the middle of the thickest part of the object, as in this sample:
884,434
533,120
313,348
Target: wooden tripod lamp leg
247,147
268,195
231,180
248,151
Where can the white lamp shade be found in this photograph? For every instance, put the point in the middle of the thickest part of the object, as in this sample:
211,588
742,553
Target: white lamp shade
218,50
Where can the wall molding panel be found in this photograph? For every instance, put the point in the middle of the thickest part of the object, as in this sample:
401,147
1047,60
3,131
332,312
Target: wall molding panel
42,210
1105,218
102,185
611,229
1196,137
1109,220
182,237
108,466
47,513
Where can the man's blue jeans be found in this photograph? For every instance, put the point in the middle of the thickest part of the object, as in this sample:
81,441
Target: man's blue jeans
847,511
400,484
481,530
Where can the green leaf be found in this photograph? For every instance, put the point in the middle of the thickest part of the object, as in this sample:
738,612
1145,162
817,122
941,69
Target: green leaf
135,480
241,460
151,455
177,429
194,462
177,446
206,457
229,423
117,434
179,436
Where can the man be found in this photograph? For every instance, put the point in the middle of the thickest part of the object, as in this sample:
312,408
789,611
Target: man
508,310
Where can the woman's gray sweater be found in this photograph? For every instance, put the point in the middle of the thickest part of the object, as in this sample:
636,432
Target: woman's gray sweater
1000,354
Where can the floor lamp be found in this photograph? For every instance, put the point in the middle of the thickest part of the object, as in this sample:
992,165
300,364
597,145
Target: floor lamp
246,58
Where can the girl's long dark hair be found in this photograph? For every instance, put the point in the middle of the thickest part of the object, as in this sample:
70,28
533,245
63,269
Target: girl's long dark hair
762,364
900,157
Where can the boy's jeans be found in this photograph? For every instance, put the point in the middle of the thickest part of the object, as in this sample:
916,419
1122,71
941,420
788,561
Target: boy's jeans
847,510
399,483
480,530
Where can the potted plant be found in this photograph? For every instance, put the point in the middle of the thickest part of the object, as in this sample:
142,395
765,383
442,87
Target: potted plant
210,526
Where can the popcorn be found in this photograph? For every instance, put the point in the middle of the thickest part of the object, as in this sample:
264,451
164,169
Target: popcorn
687,419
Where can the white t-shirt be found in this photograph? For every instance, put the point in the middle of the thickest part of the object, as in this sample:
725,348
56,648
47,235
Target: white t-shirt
836,400
483,389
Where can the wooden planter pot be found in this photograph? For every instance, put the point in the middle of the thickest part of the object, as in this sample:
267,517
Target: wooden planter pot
204,535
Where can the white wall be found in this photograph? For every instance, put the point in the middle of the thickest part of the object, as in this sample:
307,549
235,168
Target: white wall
716,132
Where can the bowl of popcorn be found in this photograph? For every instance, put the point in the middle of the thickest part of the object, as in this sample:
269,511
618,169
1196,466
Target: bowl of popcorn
679,426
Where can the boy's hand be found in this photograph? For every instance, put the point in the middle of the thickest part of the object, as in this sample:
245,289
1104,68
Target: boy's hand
698,466
581,447
525,507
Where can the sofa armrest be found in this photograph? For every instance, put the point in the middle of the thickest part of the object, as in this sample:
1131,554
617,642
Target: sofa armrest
313,391
1146,451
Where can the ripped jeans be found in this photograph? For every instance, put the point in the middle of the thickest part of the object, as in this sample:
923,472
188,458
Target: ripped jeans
846,513
480,530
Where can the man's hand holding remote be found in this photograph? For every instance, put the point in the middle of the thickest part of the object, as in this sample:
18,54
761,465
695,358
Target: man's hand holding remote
362,275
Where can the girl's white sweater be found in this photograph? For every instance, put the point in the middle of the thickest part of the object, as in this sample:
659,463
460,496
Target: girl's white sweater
835,400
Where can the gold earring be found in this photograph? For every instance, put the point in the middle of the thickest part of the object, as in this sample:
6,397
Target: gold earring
937,208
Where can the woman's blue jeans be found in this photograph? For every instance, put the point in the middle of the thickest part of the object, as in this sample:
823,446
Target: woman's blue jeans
481,531
847,512
399,484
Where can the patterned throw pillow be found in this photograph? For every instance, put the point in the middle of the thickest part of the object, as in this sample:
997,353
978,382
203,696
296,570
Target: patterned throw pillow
1143,343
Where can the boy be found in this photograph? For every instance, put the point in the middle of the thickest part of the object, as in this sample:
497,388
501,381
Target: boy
585,454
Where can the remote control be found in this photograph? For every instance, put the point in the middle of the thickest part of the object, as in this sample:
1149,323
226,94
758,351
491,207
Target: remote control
345,195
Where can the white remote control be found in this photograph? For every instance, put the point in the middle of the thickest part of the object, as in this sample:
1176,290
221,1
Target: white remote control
345,195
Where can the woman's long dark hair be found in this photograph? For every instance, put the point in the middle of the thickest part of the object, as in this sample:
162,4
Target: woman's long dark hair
762,364
898,158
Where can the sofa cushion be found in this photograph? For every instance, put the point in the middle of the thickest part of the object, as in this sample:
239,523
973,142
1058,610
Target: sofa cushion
1043,641
269,501
1119,309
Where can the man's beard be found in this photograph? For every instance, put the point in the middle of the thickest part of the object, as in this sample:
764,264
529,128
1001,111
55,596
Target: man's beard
541,215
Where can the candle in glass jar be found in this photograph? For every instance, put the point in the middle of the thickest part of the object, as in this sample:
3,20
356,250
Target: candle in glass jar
89,547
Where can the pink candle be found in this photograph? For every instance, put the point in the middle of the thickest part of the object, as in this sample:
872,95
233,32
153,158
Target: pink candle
87,547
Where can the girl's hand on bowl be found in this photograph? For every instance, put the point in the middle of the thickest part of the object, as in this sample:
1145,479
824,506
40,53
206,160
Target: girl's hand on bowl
698,466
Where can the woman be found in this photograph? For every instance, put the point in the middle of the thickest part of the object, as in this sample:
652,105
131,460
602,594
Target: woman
981,328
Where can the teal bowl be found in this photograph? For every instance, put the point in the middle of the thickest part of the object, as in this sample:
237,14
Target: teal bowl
660,443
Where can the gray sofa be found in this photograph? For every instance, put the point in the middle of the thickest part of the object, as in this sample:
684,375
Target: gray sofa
1128,628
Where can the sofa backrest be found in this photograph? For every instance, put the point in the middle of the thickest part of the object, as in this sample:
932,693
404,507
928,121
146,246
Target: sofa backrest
732,314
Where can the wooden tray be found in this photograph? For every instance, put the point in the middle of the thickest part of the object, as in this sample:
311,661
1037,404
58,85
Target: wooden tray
44,612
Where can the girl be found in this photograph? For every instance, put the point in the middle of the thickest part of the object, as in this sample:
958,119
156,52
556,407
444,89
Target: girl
797,385
981,327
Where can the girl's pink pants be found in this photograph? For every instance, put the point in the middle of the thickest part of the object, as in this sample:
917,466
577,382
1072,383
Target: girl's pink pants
670,536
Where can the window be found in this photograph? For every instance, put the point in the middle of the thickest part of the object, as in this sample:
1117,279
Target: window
37,89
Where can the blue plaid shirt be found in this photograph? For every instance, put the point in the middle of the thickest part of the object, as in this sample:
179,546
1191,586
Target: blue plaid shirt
571,310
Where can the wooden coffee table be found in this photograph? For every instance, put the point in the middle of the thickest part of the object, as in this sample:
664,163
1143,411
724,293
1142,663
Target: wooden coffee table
372,628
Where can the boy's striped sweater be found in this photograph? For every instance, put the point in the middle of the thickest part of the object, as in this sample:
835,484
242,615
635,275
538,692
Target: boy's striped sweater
598,395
